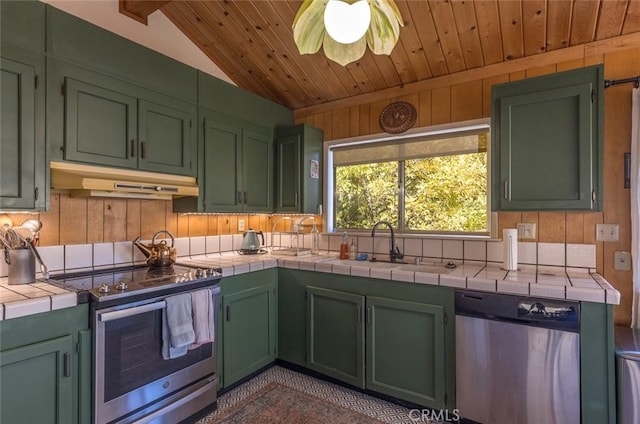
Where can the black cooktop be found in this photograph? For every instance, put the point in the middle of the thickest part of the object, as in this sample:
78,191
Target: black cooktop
131,283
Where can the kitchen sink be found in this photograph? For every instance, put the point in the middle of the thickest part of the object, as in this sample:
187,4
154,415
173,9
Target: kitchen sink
434,268
352,262
431,267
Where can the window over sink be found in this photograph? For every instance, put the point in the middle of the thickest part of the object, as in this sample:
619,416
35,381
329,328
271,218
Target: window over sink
429,180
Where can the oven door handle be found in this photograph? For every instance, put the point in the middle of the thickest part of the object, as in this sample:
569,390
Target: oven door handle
137,310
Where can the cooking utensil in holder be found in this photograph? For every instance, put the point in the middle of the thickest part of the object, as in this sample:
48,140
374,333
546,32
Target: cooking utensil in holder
22,267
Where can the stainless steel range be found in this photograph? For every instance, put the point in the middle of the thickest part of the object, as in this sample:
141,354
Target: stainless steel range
132,381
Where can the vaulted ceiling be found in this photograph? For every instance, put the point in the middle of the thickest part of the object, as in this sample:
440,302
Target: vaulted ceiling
252,42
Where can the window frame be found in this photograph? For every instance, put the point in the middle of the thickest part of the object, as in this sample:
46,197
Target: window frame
434,130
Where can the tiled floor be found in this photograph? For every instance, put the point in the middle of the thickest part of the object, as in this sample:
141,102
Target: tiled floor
368,405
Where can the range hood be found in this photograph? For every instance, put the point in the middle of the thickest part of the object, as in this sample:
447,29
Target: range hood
98,181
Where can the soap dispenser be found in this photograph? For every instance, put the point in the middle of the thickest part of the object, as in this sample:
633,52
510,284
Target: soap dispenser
353,250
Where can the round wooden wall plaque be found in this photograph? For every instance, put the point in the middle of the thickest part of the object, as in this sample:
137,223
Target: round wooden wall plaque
397,117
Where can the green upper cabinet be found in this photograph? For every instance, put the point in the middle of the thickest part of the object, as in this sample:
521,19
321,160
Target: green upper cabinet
248,324
22,24
166,138
100,124
105,121
222,167
298,169
75,41
257,171
236,167
548,142
22,140
335,334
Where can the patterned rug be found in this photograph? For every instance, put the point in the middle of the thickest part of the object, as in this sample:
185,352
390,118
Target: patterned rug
277,403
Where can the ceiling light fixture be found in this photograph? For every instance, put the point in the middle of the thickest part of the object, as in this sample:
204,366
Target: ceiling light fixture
344,29
347,23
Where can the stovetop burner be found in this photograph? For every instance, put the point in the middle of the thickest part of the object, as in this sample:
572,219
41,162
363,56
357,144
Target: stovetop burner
139,281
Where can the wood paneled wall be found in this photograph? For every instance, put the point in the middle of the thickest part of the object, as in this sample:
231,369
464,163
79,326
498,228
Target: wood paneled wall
92,220
467,95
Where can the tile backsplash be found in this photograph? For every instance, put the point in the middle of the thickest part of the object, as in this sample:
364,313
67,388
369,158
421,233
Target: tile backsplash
83,256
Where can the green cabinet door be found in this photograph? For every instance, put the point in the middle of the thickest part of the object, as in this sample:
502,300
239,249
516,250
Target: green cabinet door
406,350
36,384
249,338
18,136
100,125
221,166
237,167
335,334
547,139
298,169
257,171
166,138
288,173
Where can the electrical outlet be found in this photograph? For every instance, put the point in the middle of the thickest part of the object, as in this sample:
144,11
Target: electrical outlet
622,261
241,225
607,232
526,231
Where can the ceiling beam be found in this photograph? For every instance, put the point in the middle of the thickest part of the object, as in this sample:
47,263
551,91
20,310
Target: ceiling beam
139,10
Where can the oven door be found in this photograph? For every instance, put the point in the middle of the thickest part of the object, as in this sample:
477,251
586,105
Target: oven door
132,378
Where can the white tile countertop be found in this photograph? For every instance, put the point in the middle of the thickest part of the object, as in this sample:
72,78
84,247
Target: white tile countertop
580,284
17,300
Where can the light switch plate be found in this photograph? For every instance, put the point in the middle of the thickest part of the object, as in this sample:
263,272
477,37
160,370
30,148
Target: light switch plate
526,231
607,232
622,261
241,225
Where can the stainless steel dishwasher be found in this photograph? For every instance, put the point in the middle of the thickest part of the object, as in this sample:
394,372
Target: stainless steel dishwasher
628,374
517,359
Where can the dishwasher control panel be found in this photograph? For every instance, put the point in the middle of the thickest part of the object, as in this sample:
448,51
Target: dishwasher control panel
538,312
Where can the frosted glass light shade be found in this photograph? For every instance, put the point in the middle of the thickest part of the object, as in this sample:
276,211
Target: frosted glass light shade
347,23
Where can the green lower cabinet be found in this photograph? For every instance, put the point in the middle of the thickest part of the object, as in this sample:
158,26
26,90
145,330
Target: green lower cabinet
405,350
36,384
390,346
248,324
335,336
45,368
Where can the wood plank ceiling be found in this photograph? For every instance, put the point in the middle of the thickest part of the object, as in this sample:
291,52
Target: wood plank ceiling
251,41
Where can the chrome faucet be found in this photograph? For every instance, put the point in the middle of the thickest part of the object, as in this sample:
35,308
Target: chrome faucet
394,251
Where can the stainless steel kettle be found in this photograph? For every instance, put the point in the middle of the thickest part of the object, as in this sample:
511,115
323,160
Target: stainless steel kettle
250,242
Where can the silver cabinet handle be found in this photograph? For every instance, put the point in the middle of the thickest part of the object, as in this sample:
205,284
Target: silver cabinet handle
129,312
506,189
133,148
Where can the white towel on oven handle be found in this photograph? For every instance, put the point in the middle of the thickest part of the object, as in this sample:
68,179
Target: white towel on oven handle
203,317
178,321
